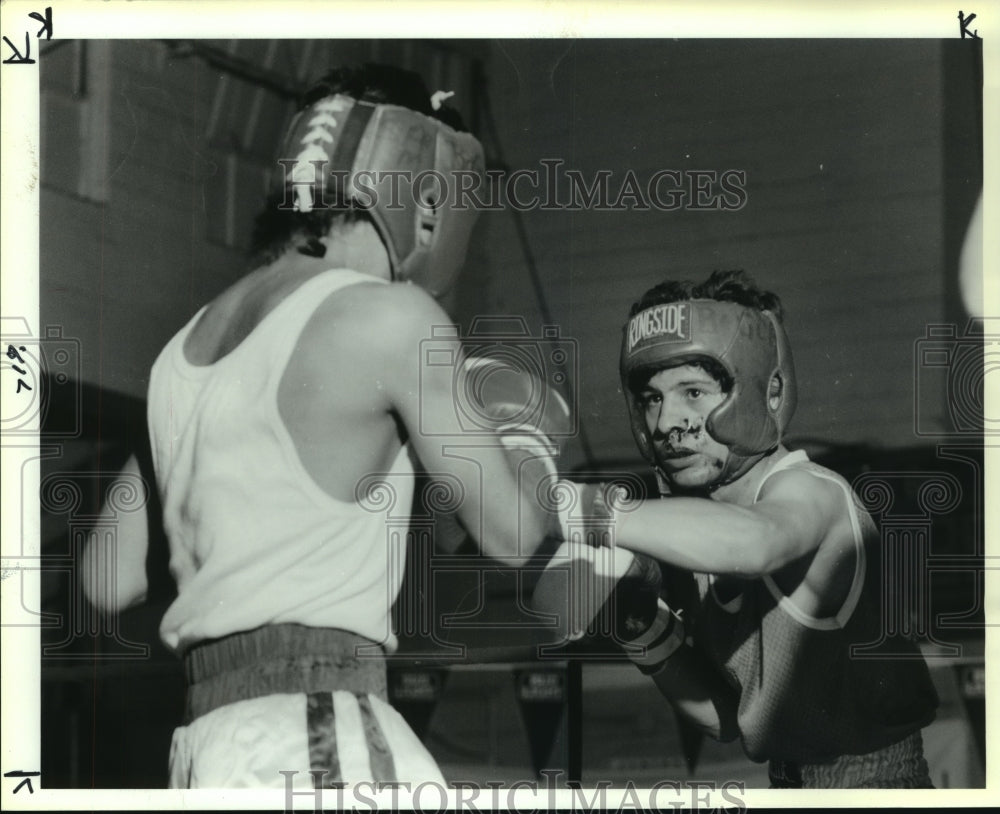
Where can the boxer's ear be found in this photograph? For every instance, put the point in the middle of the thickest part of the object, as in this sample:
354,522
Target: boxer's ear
313,247
775,392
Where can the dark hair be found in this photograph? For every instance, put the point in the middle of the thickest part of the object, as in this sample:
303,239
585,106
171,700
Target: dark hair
276,229
734,285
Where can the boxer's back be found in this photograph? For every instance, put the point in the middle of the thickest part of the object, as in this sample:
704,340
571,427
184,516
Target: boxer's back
241,515
329,399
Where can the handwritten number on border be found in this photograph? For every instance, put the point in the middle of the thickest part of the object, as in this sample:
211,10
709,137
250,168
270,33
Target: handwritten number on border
12,354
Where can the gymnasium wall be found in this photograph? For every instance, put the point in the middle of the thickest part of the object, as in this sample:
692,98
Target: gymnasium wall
860,159
846,211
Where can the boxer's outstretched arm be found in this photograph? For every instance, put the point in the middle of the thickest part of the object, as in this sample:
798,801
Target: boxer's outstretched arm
504,516
795,514
699,693
113,569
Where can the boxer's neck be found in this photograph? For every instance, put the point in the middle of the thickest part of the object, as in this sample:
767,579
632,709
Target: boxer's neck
743,490
355,246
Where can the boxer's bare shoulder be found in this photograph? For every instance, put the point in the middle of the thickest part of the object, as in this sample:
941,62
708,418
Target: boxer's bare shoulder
354,363
371,321
816,506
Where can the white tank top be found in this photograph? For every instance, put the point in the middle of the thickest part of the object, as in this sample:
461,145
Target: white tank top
253,538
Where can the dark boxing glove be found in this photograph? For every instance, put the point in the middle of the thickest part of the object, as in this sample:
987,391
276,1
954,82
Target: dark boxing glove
631,609
576,584
651,649
581,576
634,614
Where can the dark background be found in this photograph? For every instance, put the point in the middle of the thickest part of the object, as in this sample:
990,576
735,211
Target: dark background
863,162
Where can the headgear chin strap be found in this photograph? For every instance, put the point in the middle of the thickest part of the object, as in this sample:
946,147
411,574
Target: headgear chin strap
401,166
750,345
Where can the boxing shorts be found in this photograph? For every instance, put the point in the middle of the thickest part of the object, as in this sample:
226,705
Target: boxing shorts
286,698
899,766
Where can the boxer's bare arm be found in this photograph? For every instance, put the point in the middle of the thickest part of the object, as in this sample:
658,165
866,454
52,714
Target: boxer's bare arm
113,573
504,515
795,515
698,691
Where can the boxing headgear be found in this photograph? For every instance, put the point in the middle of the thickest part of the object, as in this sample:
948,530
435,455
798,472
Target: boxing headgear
399,165
749,344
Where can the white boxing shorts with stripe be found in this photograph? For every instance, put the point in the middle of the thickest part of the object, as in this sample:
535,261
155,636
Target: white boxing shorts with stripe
287,701
330,737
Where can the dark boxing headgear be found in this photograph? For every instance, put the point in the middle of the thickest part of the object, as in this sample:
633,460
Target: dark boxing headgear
402,167
749,344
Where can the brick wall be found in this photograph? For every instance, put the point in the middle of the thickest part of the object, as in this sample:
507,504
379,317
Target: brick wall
153,164
153,167
842,146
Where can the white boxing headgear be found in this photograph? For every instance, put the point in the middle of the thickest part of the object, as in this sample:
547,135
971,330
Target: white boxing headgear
403,167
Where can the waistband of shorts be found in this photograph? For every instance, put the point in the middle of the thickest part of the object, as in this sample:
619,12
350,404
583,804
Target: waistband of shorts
285,658
899,765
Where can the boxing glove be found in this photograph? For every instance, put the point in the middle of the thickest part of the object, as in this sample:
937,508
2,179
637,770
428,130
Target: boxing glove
577,582
631,609
507,398
651,650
